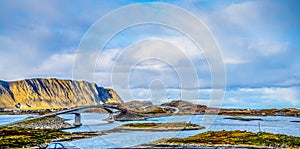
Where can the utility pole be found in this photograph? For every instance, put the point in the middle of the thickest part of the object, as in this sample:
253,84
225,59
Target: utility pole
180,96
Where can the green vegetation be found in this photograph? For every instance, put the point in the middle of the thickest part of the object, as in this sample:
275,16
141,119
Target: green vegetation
211,138
153,110
16,137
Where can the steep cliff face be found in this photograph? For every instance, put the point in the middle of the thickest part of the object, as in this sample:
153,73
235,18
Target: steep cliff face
53,93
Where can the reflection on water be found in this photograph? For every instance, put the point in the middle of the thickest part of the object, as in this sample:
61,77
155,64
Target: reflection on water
94,122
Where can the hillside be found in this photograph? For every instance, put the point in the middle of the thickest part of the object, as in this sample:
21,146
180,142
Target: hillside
186,107
53,93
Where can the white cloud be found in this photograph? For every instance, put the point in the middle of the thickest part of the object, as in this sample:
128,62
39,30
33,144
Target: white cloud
57,64
289,95
268,47
17,58
244,13
237,98
234,61
248,34
187,46
266,97
107,59
293,80
152,65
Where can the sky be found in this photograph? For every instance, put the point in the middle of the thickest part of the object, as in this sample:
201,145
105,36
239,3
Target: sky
259,42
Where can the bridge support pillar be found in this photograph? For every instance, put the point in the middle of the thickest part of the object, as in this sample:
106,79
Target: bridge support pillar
77,119
110,118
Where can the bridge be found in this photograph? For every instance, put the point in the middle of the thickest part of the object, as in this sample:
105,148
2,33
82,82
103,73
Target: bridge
76,111
110,108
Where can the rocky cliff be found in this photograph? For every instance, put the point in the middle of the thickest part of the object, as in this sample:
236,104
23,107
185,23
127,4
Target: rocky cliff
53,93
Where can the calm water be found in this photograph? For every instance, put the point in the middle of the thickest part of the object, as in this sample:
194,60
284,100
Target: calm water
5,119
94,122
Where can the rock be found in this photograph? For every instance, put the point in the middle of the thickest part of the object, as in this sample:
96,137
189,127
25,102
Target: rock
135,104
128,116
53,93
186,107
295,121
52,122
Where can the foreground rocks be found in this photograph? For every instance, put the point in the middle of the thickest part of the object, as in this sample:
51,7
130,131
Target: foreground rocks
51,122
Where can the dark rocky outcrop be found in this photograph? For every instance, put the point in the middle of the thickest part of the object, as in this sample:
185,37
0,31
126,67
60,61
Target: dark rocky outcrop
125,115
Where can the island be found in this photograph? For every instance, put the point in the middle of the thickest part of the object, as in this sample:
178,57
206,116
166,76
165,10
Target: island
177,126
237,139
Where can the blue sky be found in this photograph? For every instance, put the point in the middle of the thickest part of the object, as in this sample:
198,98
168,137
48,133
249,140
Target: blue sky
259,41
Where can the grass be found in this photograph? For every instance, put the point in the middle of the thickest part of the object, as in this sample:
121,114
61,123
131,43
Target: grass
16,137
236,138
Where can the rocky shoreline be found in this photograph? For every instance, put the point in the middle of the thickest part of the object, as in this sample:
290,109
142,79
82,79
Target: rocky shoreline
51,122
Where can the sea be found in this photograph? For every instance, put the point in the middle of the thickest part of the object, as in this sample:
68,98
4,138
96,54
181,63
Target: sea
95,122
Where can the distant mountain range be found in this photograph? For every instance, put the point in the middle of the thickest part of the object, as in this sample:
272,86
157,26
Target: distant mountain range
41,93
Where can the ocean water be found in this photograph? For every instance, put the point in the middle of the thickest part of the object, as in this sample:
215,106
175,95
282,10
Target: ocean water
95,122
6,119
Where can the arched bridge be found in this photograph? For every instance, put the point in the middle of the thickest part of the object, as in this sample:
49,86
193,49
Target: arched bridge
77,110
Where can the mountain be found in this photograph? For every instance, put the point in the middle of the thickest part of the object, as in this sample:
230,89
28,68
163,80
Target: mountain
43,93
